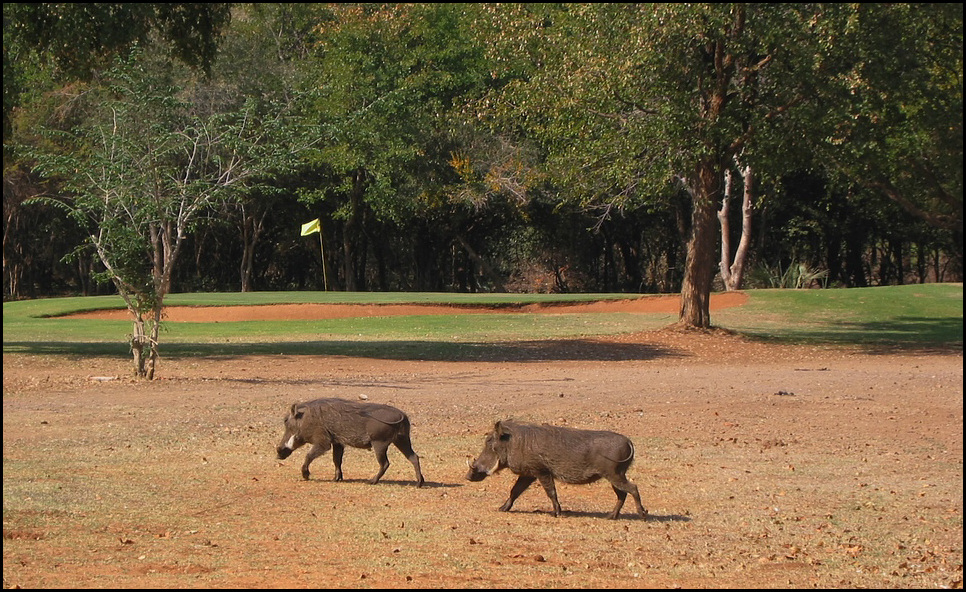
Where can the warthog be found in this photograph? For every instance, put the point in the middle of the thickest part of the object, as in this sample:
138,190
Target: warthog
546,452
337,423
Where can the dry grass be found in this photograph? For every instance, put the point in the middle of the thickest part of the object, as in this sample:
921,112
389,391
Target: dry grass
761,467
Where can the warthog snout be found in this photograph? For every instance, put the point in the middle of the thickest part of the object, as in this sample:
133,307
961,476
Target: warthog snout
475,473
488,462
283,452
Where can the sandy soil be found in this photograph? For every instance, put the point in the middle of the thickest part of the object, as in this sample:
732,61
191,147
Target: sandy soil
277,312
761,466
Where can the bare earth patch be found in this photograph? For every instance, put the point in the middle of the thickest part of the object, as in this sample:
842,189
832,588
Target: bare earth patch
761,466
280,312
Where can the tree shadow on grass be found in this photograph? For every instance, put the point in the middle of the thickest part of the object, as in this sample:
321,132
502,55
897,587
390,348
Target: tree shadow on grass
940,335
513,351
924,335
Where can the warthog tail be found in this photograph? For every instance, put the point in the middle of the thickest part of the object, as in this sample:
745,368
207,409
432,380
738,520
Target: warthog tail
629,457
387,416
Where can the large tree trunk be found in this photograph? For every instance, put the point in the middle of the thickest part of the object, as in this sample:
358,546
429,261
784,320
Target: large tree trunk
699,264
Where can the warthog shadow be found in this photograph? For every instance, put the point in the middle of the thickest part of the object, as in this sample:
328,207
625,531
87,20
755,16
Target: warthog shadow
651,517
394,482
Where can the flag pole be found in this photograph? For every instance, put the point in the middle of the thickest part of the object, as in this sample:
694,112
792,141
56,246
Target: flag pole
307,229
325,279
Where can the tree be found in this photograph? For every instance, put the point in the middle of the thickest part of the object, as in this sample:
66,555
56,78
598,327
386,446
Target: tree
389,77
49,50
898,109
263,54
139,174
632,101
83,38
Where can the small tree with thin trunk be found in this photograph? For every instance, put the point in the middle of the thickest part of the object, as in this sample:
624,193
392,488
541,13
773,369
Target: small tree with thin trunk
733,270
141,172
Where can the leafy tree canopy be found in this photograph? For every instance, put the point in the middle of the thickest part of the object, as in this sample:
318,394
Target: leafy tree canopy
83,38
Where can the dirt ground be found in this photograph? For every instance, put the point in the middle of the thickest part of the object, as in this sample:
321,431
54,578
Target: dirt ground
760,465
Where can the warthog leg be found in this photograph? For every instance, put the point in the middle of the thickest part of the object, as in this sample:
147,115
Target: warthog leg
337,451
316,451
523,481
547,481
406,447
380,448
622,487
621,496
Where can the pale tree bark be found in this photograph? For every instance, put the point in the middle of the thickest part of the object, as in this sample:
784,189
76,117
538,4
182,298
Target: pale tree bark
145,323
144,342
166,241
732,272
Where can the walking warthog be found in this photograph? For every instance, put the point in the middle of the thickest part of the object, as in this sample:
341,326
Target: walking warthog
337,423
546,452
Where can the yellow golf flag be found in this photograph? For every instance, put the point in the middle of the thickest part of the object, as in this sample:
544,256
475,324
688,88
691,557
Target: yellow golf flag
310,227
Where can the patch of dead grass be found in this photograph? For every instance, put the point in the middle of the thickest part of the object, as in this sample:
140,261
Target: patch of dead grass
851,478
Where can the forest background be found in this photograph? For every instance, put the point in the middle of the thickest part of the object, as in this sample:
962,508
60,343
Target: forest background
478,148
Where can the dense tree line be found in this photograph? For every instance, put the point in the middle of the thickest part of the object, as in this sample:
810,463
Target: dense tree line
450,147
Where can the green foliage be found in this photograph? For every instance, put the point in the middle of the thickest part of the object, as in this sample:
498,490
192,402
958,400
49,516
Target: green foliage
479,147
895,106
634,102
622,93
388,78
67,42
146,164
84,38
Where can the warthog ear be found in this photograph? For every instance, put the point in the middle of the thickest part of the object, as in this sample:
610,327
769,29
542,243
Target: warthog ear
296,411
500,432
